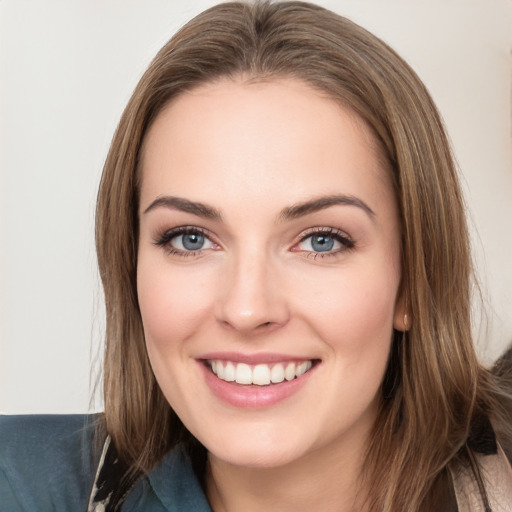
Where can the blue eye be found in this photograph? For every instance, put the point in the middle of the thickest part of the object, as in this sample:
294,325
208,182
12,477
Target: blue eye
322,243
184,241
325,241
191,241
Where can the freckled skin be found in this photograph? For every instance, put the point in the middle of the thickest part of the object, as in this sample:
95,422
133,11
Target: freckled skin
251,150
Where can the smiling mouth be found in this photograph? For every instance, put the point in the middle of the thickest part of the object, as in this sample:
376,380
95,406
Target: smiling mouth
259,374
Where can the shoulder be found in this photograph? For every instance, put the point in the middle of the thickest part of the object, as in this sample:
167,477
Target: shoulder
490,486
483,476
47,462
171,485
175,483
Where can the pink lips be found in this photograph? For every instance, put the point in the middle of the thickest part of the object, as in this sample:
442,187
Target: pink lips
253,359
251,396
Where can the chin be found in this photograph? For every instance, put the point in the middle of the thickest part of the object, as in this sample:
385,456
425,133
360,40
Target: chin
257,447
254,457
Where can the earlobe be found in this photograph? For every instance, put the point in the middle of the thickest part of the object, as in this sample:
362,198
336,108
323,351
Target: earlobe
402,320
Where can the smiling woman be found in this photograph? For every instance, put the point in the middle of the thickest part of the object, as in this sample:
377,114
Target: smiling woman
283,247
287,296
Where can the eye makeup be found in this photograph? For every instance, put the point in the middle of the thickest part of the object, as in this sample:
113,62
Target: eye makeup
317,242
185,241
321,242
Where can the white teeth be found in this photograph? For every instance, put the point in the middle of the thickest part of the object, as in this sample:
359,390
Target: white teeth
302,368
229,372
277,373
289,373
261,374
220,370
243,374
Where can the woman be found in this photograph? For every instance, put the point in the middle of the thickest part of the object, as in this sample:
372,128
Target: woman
283,248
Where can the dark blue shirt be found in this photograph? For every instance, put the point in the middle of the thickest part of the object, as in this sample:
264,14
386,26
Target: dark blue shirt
48,463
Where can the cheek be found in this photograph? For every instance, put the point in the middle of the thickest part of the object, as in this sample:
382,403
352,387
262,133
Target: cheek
355,310
172,303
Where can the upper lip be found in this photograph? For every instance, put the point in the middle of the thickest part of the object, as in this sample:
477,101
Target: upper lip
253,359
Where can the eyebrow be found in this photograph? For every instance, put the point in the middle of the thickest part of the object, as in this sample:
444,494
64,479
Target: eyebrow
300,209
185,205
291,212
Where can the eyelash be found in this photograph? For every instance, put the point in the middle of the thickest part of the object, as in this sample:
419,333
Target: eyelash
339,236
164,241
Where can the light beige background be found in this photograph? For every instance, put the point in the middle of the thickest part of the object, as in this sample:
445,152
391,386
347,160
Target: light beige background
67,69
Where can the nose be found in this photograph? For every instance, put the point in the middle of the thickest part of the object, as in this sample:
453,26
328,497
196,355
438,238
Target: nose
251,299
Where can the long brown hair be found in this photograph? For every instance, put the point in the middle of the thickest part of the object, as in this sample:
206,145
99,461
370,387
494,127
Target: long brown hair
434,385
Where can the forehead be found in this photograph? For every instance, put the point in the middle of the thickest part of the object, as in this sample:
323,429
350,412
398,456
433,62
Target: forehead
253,137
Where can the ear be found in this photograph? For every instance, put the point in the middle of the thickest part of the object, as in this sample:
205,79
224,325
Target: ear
402,320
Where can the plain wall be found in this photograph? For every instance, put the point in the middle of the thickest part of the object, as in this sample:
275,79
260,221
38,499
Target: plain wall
67,69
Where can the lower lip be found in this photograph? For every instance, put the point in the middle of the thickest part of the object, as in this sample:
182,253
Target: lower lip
253,396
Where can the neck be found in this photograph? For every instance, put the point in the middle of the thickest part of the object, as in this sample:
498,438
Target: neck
328,479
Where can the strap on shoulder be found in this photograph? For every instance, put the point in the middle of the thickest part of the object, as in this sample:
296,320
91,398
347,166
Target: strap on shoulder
496,474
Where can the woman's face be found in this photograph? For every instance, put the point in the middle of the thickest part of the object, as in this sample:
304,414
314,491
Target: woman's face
268,270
